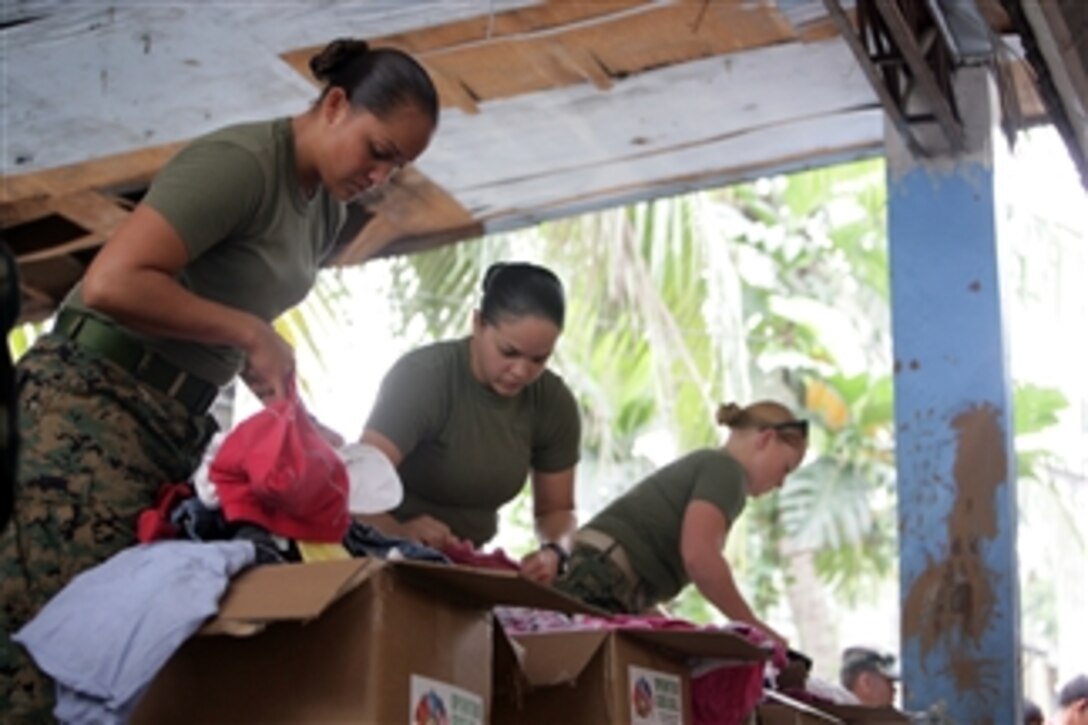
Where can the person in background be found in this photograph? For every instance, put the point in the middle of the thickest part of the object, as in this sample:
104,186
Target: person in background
671,528
870,674
180,300
1073,702
1032,714
466,421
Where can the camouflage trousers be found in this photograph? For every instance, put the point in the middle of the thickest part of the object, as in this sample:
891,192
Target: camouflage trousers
9,314
95,446
595,579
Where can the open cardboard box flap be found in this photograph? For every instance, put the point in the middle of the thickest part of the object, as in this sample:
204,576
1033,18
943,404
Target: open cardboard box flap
863,714
300,592
777,699
551,658
285,592
491,586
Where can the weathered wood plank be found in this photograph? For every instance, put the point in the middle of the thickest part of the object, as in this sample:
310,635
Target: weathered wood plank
485,27
79,244
288,26
716,162
659,35
411,207
93,211
46,282
119,170
25,210
568,43
134,75
860,136
579,130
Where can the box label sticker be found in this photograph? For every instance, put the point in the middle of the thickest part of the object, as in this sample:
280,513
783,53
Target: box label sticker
436,703
656,697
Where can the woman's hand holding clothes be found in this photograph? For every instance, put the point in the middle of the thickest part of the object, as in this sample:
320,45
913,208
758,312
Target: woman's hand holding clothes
428,531
542,566
555,522
270,362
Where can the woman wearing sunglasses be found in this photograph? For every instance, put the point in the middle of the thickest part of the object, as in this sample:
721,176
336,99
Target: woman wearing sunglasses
671,528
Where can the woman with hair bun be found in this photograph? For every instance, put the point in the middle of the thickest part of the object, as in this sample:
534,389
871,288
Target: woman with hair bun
466,421
181,299
670,529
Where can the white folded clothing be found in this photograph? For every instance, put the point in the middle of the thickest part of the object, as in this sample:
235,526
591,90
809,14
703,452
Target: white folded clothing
205,489
375,486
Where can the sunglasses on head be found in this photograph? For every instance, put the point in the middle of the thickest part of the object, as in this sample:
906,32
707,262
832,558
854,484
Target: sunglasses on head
801,426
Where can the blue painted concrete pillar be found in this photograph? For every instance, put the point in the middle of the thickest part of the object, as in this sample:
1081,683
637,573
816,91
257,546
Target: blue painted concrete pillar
954,452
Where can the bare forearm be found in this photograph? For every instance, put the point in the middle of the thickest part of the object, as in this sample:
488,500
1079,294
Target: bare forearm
714,579
557,526
151,302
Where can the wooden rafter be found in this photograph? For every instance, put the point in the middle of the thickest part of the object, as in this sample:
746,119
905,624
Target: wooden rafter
410,209
104,173
561,44
916,52
907,66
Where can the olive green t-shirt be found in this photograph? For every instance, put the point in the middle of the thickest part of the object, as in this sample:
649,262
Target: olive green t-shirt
255,242
646,521
467,449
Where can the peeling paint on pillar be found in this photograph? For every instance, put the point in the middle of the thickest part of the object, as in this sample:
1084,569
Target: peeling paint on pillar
953,408
954,597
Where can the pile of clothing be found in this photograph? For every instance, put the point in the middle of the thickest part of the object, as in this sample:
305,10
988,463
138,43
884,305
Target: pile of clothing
270,492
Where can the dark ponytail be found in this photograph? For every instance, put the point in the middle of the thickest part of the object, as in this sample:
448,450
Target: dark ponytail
519,289
380,80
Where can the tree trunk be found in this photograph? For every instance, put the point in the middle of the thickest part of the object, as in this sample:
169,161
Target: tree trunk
812,615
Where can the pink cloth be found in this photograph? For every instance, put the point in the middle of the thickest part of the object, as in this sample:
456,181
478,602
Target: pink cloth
726,695
468,555
779,657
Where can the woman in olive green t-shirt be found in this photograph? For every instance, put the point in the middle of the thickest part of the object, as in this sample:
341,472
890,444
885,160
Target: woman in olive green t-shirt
670,529
180,300
467,421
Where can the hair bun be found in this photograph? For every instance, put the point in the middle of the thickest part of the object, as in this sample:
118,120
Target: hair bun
729,413
492,272
337,55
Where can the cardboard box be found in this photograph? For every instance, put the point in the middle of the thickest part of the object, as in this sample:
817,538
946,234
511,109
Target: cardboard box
612,676
784,709
851,714
347,641
776,713
779,709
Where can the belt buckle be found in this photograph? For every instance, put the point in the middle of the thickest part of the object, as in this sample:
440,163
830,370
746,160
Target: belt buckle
172,389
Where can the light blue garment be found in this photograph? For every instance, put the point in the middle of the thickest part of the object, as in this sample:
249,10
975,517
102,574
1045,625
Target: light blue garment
104,637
